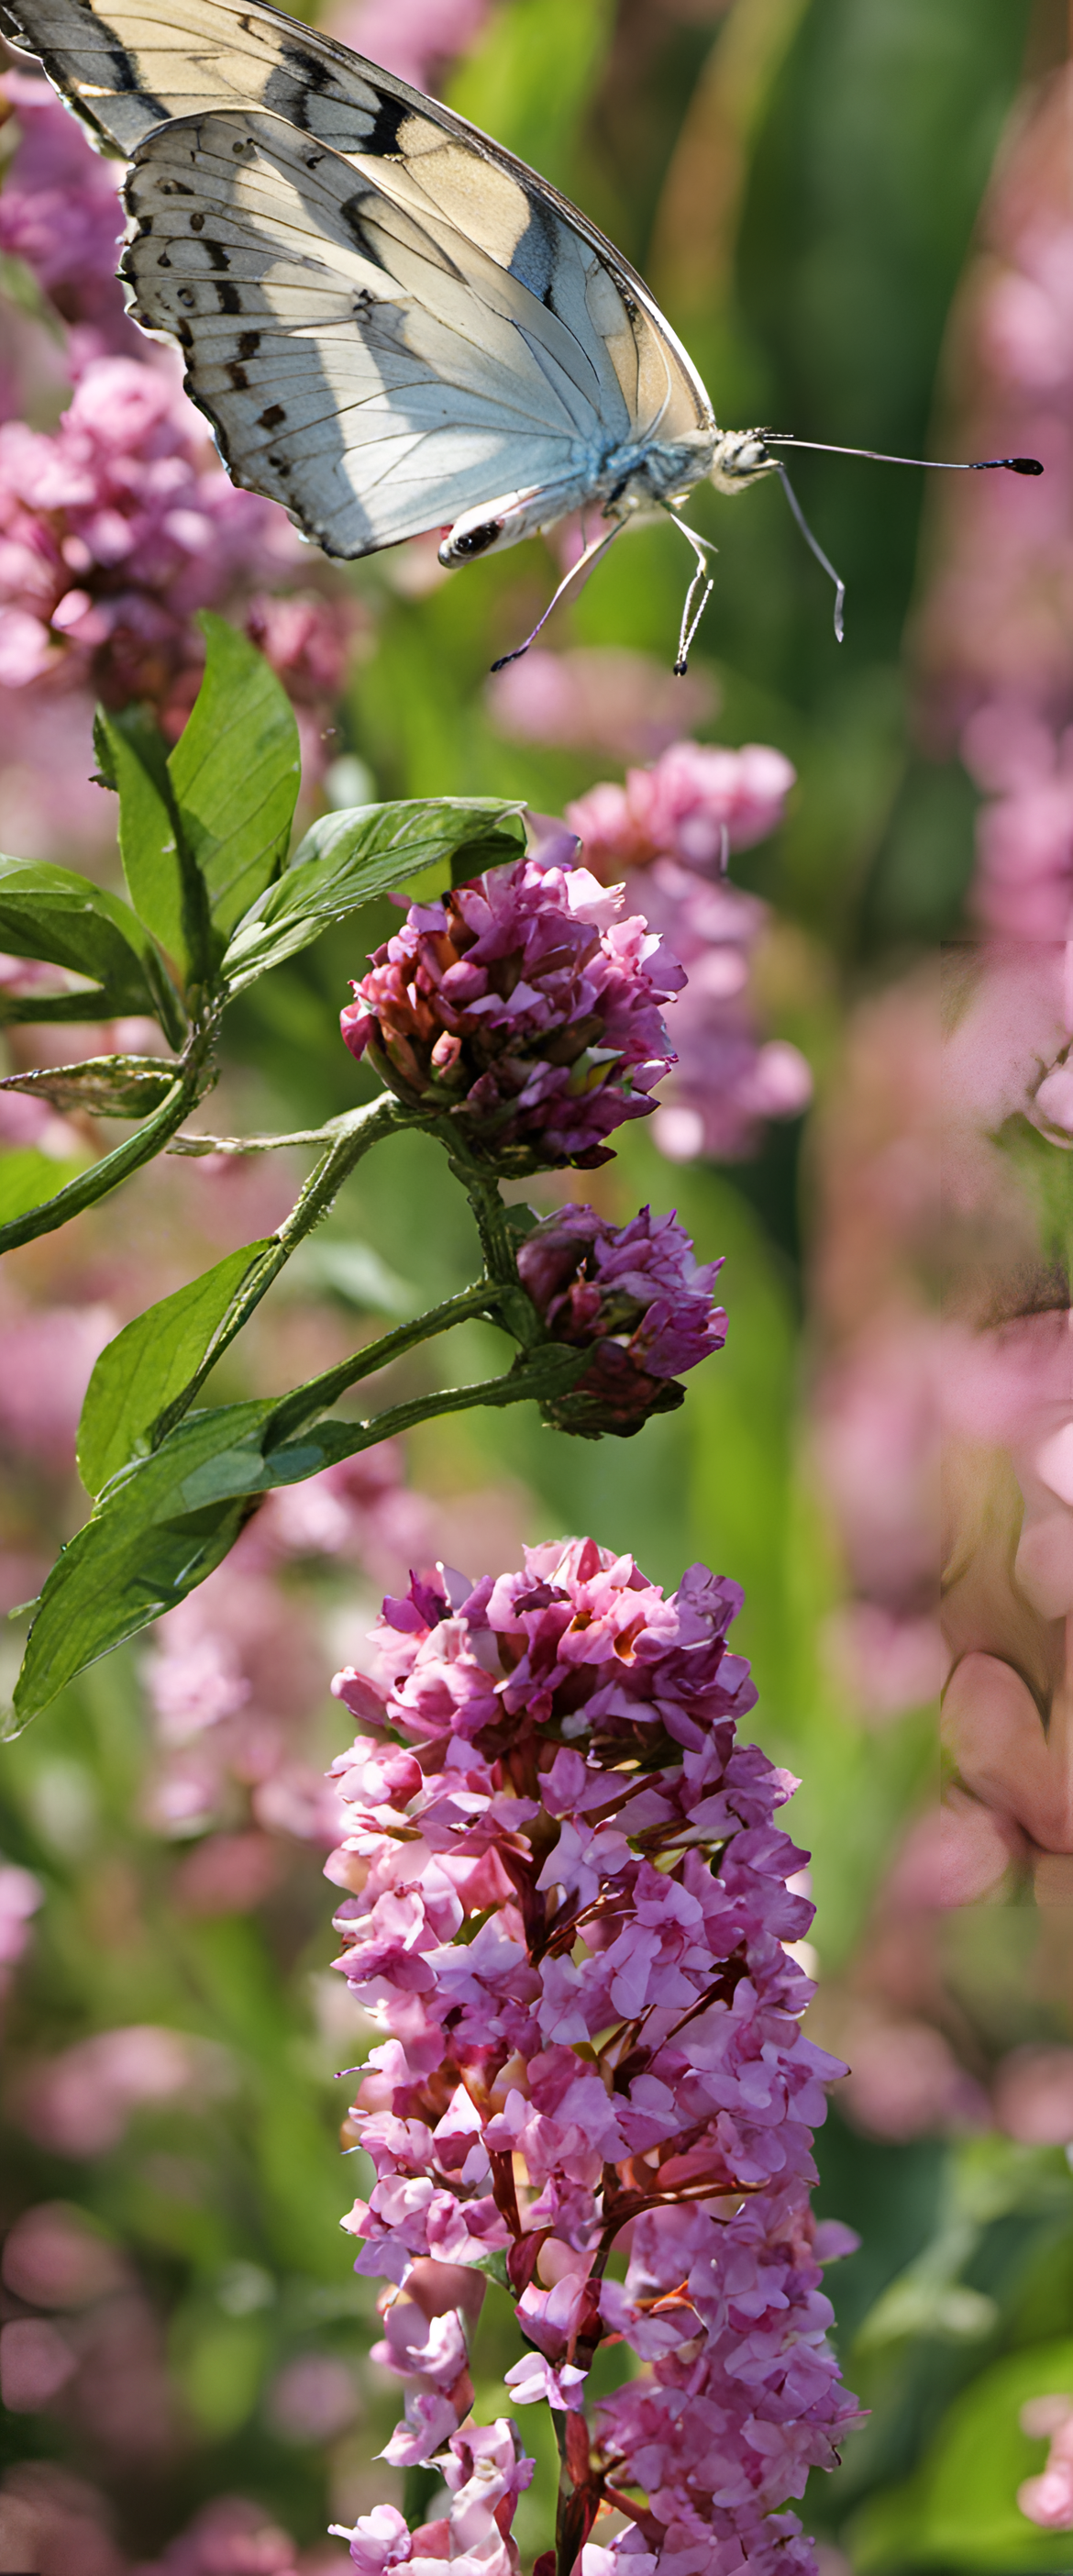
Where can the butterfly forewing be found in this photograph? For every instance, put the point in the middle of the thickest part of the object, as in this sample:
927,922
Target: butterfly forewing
398,321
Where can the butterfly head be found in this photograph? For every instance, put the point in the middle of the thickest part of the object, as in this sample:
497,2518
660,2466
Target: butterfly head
740,457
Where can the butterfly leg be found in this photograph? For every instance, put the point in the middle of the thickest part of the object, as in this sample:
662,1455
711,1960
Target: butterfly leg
578,572
690,622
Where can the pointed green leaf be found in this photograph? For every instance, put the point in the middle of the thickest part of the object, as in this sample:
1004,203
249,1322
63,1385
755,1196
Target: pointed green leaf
149,1363
166,1521
347,859
235,773
53,914
106,1086
163,883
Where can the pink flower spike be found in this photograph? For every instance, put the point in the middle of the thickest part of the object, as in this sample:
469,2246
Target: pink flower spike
573,1916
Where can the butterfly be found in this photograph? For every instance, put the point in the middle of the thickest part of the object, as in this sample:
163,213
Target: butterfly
392,324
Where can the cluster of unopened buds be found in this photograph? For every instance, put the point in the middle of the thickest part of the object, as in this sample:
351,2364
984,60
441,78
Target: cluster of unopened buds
570,1910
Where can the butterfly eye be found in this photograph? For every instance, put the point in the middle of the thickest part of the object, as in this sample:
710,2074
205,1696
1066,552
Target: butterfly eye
475,541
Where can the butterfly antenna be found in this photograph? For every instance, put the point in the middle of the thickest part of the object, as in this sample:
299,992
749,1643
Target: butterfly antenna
689,625
578,573
932,464
815,547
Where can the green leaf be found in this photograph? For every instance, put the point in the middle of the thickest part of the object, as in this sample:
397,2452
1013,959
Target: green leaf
165,887
27,1177
94,1182
149,1363
166,1521
960,2510
106,1086
235,773
53,914
347,859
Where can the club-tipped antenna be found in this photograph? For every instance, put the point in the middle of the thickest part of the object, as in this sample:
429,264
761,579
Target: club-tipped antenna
815,547
931,464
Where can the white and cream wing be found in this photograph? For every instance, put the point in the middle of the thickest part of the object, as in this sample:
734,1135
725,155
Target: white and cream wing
131,66
376,374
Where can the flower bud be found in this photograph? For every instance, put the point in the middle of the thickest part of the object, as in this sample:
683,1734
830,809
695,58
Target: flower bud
637,1294
524,1007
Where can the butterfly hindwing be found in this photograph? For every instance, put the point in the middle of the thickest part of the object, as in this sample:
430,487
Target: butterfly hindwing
376,373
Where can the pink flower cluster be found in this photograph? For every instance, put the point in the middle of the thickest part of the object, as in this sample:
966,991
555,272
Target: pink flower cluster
569,1911
485,2470
693,805
636,1293
119,525
526,1008
114,529
677,822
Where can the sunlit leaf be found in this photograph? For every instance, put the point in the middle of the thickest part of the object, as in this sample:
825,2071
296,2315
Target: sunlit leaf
166,1521
163,883
149,1363
347,859
51,913
235,773
106,1086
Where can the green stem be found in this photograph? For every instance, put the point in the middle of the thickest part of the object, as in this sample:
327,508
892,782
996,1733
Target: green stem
497,1241
325,1135
314,1397
353,1136
546,1374
105,1175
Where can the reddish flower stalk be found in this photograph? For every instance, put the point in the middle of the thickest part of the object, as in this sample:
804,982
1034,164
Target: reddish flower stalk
569,1911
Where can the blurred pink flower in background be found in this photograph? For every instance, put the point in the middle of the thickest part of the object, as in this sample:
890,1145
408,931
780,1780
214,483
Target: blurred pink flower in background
80,2103
1047,2500
876,1430
60,213
667,831
1033,2096
418,39
598,698
694,804
876,1423
55,2522
313,2399
904,2080
993,633
54,2257
20,1895
46,1361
